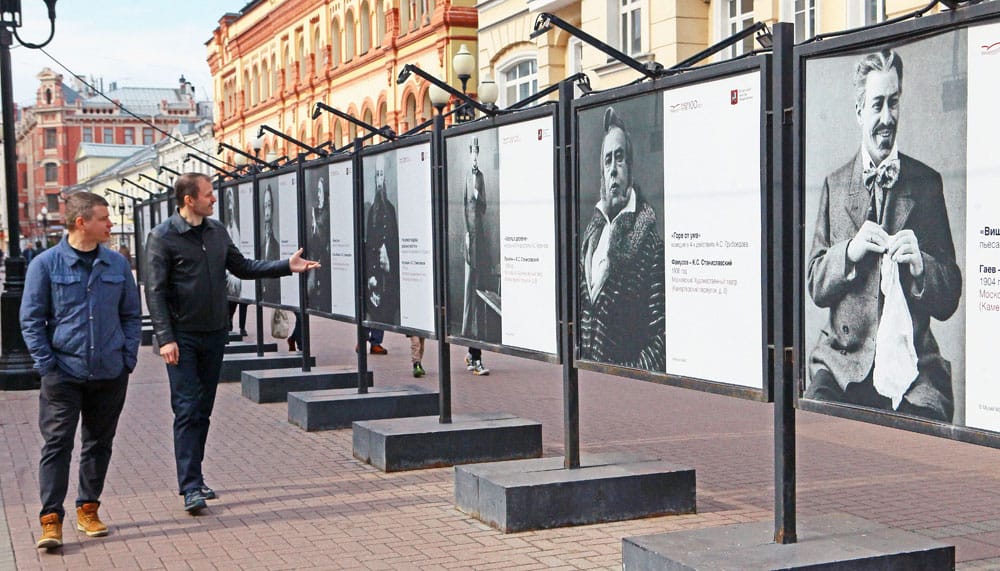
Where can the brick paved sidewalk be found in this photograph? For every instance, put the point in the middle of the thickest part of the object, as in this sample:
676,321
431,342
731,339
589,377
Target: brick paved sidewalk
297,500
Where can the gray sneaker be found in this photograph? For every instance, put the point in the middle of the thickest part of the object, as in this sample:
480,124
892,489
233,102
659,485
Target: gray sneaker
479,369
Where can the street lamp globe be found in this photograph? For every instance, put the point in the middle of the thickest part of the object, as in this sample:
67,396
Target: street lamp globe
488,90
464,63
439,97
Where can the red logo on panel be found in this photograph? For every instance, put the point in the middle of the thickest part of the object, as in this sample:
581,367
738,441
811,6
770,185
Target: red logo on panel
734,96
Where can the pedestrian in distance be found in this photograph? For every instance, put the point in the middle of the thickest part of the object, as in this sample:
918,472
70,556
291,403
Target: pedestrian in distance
81,320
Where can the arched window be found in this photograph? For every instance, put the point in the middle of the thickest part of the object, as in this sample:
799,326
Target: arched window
48,96
352,132
319,134
246,88
411,112
379,23
517,81
338,134
425,11
265,83
317,50
285,66
366,28
300,55
350,43
255,87
274,74
335,43
427,109
414,14
383,115
404,16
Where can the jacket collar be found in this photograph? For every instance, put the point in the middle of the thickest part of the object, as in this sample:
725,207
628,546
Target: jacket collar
181,225
70,256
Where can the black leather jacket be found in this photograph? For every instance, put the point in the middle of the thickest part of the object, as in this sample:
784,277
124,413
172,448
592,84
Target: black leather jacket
186,284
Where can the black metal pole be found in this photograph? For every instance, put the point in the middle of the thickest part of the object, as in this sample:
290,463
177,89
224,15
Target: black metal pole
300,194
439,205
258,252
784,410
359,265
16,368
566,228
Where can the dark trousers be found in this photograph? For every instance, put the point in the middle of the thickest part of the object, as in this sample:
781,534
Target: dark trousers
375,336
62,402
296,334
825,387
243,314
193,381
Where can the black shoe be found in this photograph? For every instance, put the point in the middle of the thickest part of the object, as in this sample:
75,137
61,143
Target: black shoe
208,493
194,501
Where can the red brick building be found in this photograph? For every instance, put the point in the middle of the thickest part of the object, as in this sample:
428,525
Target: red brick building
49,133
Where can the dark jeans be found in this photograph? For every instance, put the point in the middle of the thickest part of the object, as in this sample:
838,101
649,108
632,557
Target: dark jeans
296,331
375,336
62,402
193,381
243,314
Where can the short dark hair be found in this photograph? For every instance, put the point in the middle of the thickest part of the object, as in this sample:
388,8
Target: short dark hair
187,185
883,60
81,205
612,120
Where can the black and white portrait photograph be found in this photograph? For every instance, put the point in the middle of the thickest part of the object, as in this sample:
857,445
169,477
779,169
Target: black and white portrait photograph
884,238
231,220
620,265
270,250
318,237
473,264
381,239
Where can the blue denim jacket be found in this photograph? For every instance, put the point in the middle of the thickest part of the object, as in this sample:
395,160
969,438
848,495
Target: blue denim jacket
89,330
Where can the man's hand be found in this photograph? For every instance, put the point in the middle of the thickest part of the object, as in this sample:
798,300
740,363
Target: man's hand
904,249
870,238
171,353
299,265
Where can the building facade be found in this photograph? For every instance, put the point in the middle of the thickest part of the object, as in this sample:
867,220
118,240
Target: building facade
664,31
50,132
272,61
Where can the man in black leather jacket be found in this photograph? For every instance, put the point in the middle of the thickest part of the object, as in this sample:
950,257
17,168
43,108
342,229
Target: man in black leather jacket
188,256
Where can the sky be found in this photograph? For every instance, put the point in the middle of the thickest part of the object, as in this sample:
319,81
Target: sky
136,43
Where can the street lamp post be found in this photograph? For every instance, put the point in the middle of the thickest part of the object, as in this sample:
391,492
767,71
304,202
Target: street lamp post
16,370
121,214
43,223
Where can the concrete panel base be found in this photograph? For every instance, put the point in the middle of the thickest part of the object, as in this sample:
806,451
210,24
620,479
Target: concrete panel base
274,385
836,542
236,347
234,336
234,365
524,495
423,442
338,408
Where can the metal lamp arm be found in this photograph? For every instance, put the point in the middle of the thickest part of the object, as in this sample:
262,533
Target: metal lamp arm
203,161
410,68
151,179
545,21
244,154
385,131
279,134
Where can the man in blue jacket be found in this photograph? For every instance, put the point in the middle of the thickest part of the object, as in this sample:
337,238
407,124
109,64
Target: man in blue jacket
80,316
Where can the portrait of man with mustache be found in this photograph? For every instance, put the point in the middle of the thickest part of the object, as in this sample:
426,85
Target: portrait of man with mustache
882,265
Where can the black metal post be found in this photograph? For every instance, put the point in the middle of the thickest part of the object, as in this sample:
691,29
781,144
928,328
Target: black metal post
16,368
300,194
258,252
359,265
782,284
439,206
566,225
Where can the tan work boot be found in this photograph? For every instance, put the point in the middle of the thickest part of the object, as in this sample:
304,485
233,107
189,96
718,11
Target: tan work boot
88,522
51,532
